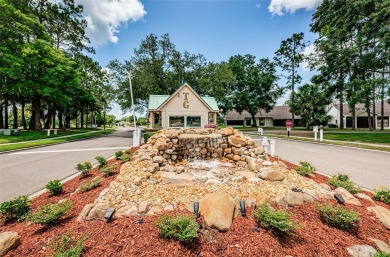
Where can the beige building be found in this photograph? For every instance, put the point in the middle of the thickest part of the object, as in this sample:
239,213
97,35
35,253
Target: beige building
183,109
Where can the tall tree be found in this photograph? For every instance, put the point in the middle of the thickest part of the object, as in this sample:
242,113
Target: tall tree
288,57
254,87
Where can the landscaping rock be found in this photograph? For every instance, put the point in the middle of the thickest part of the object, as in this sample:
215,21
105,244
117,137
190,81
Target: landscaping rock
158,159
260,198
259,150
132,211
169,207
293,198
84,212
325,186
382,214
348,197
137,181
236,141
227,131
8,241
364,197
382,246
212,182
218,211
254,180
97,212
161,144
361,251
272,175
155,210
143,207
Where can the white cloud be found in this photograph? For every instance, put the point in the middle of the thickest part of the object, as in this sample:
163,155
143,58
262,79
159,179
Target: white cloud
104,17
279,7
309,50
258,6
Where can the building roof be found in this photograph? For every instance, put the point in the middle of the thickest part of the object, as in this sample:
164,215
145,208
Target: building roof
277,113
157,101
359,109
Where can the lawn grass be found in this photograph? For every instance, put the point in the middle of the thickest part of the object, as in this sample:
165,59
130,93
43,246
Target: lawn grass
35,135
51,141
367,137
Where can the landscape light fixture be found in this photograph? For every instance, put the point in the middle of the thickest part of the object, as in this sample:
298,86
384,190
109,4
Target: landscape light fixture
109,214
242,208
196,209
139,221
296,189
339,198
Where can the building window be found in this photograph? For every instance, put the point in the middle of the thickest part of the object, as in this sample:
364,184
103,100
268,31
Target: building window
193,122
385,122
185,121
176,122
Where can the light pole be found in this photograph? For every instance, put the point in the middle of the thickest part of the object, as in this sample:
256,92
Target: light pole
132,101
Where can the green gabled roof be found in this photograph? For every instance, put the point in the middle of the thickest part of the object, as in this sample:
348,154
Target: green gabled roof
210,101
156,100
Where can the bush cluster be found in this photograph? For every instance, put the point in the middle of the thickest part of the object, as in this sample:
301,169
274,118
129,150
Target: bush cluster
305,168
383,195
15,209
339,217
183,228
118,154
54,187
85,168
102,161
342,180
147,135
381,254
108,170
275,219
68,247
50,213
89,185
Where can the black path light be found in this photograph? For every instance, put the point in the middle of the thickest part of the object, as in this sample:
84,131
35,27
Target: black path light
109,214
196,209
242,208
339,198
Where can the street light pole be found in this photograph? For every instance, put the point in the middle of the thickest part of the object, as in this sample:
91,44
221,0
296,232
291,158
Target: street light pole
132,101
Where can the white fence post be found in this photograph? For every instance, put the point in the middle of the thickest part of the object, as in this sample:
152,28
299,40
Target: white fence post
273,147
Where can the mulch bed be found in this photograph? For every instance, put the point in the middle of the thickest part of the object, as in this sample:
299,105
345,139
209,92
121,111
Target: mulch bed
124,237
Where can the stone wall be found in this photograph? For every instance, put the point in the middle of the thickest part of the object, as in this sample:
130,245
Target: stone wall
204,144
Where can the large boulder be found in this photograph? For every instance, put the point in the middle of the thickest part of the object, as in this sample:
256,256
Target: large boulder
272,175
259,150
227,131
161,144
171,133
84,212
236,141
97,212
293,198
8,241
348,197
361,251
382,214
218,211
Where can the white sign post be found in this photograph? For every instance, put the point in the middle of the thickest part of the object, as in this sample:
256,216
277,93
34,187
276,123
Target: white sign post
265,144
48,132
321,134
260,130
273,147
315,130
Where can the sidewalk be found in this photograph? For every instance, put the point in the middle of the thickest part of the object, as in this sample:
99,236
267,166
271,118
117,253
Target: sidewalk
325,141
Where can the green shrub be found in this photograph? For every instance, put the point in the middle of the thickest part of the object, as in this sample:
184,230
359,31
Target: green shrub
338,217
108,170
342,180
15,209
383,195
127,151
50,213
102,161
183,228
89,185
118,154
54,187
279,220
68,247
381,254
125,158
85,168
305,168
147,135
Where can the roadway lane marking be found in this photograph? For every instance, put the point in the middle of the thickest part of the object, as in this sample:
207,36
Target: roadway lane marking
73,150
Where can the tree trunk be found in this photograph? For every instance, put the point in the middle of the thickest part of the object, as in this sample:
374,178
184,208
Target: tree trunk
60,121
24,117
15,114
353,112
1,117
49,116
86,118
36,108
254,123
341,89
6,113
367,105
82,117
292,94
373,103
54,118
383,99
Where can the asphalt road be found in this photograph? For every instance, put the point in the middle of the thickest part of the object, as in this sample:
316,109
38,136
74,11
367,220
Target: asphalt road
28,171
367,168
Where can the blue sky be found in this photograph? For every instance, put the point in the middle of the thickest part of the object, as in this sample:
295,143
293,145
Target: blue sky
217,29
